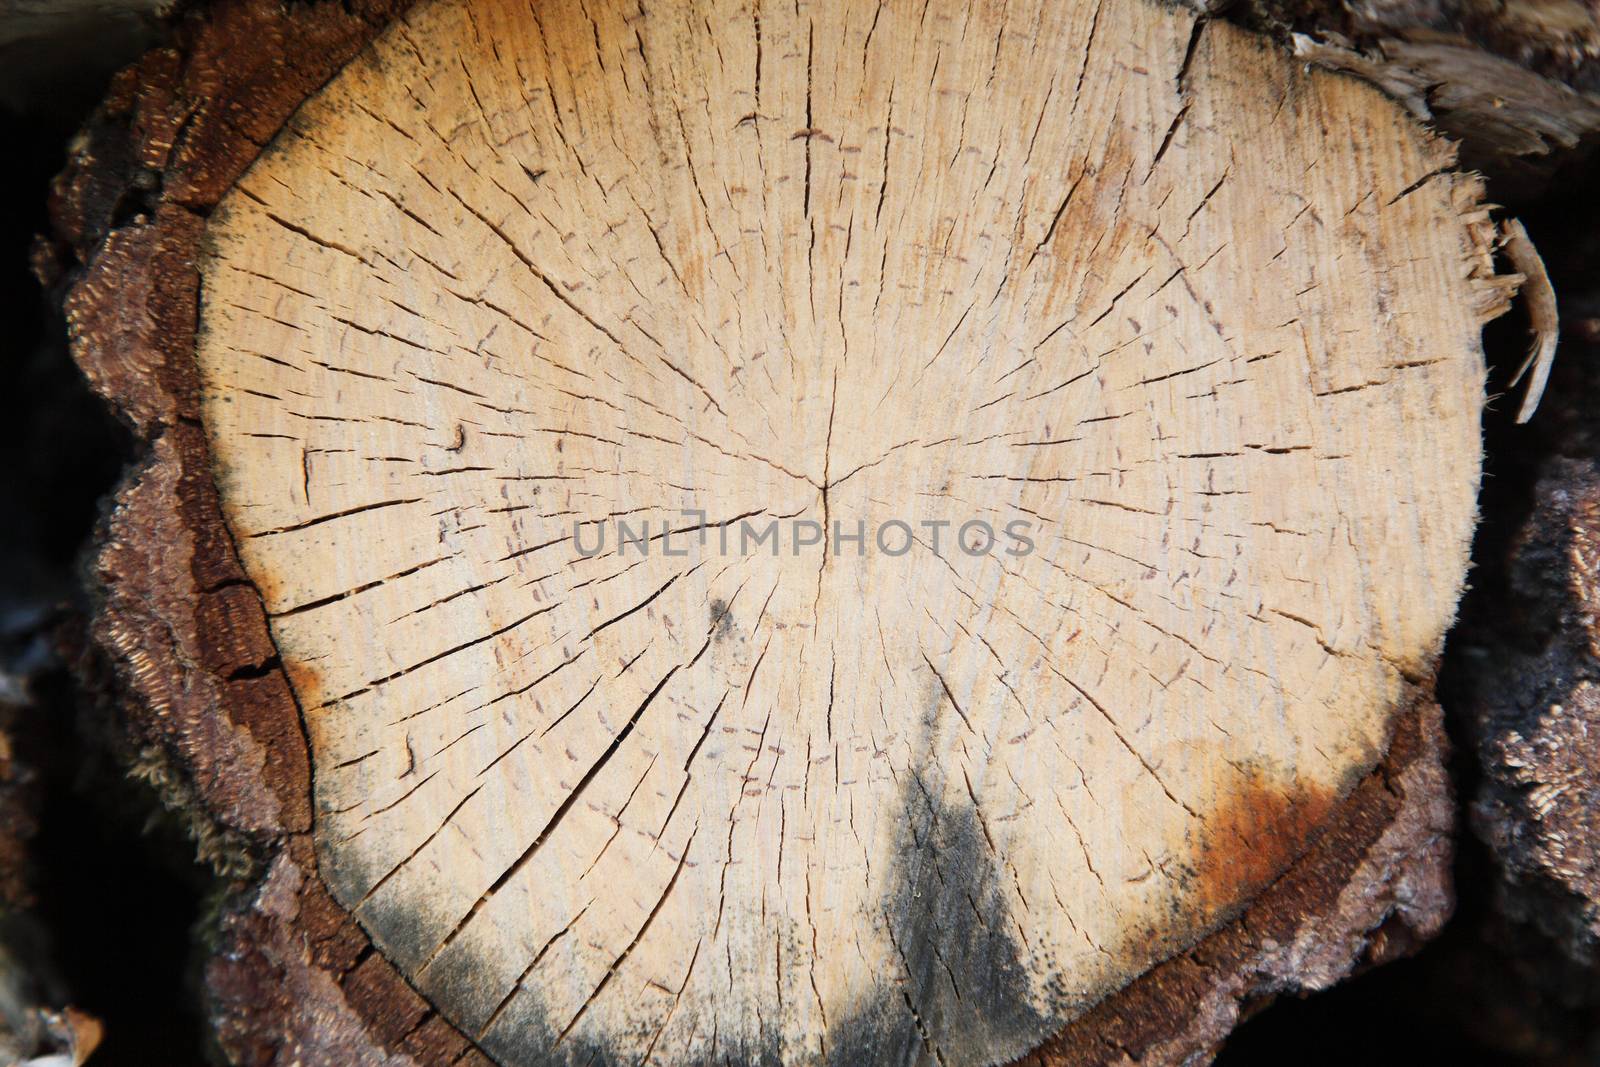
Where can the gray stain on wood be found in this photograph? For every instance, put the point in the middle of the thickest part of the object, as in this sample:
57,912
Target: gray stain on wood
965,993
962,998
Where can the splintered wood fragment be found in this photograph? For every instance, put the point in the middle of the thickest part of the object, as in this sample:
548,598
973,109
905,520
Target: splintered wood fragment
1193,332
1543,319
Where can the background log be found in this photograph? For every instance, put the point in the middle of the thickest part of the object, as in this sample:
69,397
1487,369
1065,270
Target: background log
1518,83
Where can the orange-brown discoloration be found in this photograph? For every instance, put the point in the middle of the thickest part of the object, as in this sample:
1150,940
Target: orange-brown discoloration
270,588
1398,813
1252,837
306,681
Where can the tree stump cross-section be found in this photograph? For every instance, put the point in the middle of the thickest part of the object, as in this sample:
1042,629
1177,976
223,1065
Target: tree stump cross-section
1192,331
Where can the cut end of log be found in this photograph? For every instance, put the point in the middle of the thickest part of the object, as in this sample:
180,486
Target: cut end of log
839,534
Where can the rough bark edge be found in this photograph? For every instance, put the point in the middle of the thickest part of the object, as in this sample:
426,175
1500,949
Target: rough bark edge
178,626
184,633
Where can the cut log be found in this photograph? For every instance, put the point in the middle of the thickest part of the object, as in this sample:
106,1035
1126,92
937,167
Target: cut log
1049,440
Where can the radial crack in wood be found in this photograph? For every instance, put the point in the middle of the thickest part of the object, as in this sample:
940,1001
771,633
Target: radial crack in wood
1193,331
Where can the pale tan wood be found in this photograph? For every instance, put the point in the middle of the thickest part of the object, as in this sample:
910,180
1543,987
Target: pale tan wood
1208,320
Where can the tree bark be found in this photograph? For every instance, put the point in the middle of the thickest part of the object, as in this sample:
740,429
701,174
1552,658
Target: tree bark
395,298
